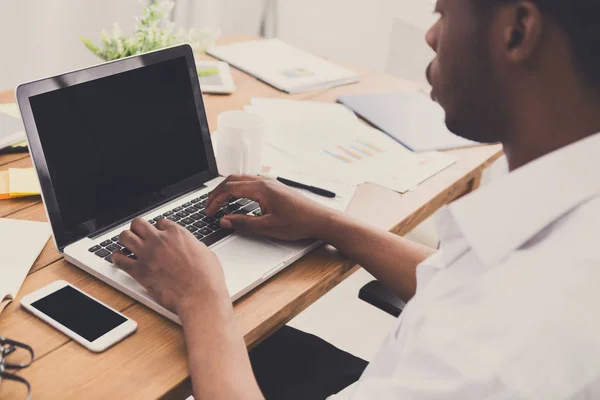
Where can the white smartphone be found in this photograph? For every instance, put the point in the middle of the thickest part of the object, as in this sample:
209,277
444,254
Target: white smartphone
78,315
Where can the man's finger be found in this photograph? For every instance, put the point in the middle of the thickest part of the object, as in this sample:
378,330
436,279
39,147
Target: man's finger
231,178
165,224
223,187
130,266
246,223
250,190
123,262
130,240
142,228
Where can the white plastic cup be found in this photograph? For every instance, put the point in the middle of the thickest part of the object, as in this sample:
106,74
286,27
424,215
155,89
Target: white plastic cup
238,143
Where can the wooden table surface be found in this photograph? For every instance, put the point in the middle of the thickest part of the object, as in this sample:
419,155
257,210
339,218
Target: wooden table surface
152,363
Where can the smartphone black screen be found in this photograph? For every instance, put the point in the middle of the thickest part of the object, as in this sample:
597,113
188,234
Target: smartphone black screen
78,312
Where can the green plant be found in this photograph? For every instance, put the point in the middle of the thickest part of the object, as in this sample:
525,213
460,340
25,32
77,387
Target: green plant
153,30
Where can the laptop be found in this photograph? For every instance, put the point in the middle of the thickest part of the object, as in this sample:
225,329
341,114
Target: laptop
127,139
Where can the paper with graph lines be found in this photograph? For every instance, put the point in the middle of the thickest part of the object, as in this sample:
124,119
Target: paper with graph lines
331,140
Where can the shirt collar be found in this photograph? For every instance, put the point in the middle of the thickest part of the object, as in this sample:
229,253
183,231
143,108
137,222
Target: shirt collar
503,216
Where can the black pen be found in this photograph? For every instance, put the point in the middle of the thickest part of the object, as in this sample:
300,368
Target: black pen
312,189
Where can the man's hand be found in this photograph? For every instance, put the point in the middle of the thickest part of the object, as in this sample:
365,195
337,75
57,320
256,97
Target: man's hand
286,214
172,265
186,277
289,215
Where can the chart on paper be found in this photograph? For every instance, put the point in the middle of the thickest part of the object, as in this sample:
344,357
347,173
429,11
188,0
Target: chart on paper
354,152
331,140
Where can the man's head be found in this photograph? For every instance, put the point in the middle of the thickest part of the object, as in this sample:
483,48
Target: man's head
497,57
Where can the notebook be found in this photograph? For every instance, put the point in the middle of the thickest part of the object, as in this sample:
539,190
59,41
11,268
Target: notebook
283,66
22,242
412,119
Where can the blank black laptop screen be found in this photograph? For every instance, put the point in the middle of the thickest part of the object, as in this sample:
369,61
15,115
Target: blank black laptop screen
112,141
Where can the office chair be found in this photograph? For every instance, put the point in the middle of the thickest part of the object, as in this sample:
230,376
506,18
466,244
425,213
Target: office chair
378,295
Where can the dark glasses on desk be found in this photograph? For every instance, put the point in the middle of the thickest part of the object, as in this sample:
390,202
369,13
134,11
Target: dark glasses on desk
14,356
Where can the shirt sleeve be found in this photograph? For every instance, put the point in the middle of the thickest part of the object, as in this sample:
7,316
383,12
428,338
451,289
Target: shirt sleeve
423,375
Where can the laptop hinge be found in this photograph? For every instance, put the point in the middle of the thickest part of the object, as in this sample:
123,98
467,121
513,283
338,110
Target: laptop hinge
126,220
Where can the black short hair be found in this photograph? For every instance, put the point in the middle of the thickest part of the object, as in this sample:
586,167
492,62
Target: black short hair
580,20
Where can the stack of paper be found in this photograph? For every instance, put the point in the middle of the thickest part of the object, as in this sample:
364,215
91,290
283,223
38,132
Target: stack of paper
283,66
17,182
11,127
331,142
22,242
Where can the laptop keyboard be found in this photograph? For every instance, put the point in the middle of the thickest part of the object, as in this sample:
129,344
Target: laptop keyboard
192,217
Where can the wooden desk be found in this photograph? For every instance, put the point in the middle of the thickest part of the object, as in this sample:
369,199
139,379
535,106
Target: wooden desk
152,363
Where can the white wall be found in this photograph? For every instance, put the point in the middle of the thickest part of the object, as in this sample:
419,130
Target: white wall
41,38
385,35
230,17
353,31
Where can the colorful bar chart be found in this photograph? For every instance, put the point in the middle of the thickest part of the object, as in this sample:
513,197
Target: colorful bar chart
371,146
354,152
340,157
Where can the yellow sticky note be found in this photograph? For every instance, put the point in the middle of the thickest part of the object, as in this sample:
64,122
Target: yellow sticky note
23,182
4,187
20,144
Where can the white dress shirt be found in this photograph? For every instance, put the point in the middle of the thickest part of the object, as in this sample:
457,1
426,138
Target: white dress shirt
508,308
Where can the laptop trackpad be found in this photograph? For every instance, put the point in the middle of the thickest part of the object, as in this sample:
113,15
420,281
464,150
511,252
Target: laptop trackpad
246,259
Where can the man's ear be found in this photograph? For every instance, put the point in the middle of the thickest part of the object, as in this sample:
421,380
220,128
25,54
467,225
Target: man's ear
522,30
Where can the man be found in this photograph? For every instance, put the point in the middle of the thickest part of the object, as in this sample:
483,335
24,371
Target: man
506,308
